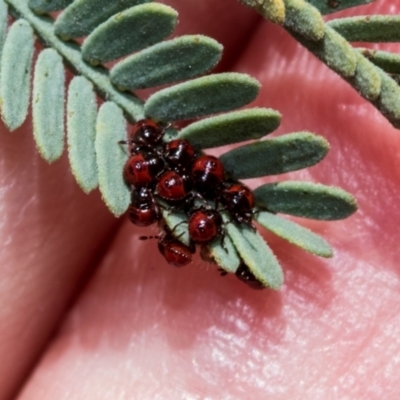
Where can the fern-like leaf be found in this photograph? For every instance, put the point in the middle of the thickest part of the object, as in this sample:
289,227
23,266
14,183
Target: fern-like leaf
328,42
116,29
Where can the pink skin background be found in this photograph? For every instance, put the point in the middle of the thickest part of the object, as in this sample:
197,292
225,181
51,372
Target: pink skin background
90,312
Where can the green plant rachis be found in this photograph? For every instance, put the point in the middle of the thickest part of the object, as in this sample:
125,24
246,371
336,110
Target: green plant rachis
149,60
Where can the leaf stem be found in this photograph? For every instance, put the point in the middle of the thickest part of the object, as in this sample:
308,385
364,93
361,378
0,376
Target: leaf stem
304,23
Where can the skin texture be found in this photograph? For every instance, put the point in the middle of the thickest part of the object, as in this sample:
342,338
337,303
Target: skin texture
141,329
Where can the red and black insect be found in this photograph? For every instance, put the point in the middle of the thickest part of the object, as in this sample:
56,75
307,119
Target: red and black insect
205,225
173,186
175,252
238,200
208,175
144,210
245,275
145,134
142,168
179,154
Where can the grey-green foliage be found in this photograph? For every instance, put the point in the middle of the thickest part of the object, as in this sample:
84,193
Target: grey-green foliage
294,233
202,96
304,22
43,6
129,31
371,28
181,58
306,199
96,137
257,255
285,153
16,63
331,6
48,105
82,16
81,129
3,24
237,126
111,127
178,221
224,254
389,62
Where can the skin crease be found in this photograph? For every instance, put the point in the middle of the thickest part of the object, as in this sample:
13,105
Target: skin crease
141,329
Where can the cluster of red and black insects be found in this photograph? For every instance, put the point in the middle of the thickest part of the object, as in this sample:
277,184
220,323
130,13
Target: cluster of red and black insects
174,176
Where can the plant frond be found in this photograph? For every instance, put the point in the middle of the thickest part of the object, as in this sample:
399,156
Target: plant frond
120,28
305,23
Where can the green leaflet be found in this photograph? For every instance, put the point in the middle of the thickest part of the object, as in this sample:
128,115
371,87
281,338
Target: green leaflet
227,259
307,20
371,28
48,105
178,224
327,7
285,153
390,95
274,10
111,157
82,16
202,96
367,79
3,24
178,59
389,62
81,128
306,199
129,31
339,54
294,234
257,255
231,128
16,63
44,6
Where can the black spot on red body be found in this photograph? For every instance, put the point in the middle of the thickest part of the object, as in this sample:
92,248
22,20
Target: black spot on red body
179,154
175,252
141,169
145,134
238,199
173,186
143,210
204,225
208,174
